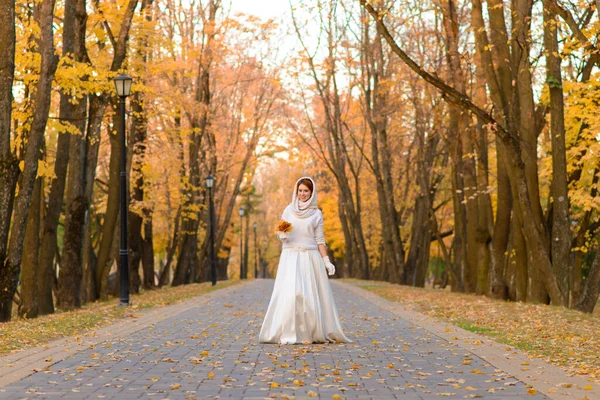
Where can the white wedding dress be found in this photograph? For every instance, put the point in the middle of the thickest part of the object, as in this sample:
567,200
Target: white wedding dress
302,309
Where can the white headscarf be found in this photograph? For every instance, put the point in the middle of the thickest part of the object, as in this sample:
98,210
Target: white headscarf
304,209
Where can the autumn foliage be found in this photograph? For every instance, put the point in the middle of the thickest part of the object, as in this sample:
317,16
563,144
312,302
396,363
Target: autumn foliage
449,145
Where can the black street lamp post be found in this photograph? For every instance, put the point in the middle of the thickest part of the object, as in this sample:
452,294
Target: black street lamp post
263,263
255,254
123,86
213,261
241,212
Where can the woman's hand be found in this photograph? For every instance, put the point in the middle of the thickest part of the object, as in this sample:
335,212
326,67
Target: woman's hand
329,266
283,236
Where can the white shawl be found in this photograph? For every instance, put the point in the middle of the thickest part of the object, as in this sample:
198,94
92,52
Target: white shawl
304,209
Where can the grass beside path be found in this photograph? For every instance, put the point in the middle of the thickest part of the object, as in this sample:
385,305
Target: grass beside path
21,334
566,338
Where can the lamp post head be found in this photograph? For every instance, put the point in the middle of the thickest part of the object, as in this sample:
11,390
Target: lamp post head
210,181
242,211
254,225
123,85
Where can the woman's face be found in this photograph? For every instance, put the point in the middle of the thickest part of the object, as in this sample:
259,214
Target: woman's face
303,192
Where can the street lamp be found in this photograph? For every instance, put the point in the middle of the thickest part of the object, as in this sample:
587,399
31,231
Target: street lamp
241,211
210,181
255,255
123,87
263,263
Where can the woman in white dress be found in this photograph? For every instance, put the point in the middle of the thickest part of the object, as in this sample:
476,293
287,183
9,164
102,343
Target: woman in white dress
302,309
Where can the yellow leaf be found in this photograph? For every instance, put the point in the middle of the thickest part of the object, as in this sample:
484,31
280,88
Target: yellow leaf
312,394
274,385
532,392
154,379
588,387
336,396
175,386
211,375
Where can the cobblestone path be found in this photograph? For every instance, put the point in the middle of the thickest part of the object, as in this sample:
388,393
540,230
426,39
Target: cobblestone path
212,352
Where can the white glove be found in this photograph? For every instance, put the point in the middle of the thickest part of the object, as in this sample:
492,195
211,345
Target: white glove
283,236
329,266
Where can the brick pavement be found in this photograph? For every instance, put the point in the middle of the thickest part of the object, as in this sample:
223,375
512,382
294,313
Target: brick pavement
211,351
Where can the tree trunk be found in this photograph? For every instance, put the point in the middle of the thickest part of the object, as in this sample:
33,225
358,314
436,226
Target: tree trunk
465,200
459,243
533,232
140,219
246,234
335,148
9,166
560,234
165,274
190,268
71,25
70,273
136,216
223,262
30,270
375,113
82,193
112,213
591,288
421,232
44,14
349,257
486,214
89,260
148,255
187,258
485,224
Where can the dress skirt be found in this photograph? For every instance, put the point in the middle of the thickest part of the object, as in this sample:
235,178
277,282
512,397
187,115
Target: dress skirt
302,308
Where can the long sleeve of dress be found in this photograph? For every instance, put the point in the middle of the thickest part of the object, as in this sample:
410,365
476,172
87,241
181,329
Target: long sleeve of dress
319,233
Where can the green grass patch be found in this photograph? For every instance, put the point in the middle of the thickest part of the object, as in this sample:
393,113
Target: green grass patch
467,326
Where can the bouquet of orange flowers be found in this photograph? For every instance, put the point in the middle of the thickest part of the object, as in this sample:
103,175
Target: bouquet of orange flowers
284,226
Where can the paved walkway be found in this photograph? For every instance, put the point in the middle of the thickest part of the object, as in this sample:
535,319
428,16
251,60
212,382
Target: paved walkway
211,351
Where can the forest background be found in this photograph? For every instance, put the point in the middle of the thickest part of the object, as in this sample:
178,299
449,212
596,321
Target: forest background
453,141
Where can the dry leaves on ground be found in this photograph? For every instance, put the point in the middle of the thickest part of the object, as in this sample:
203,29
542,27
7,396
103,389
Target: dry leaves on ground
563,337
21,334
